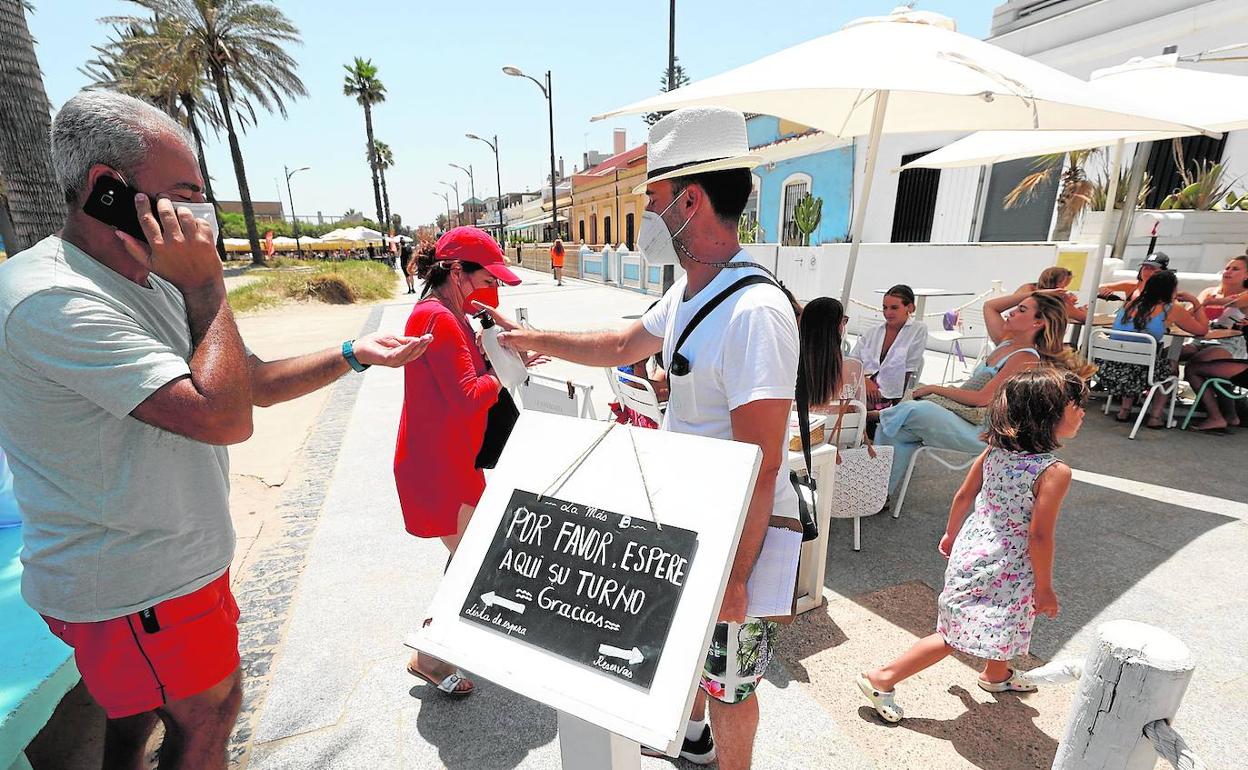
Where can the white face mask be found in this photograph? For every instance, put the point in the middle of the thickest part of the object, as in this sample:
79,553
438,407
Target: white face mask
205,211
654,239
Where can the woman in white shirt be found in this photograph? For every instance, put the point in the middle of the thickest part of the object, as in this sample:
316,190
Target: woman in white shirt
892,351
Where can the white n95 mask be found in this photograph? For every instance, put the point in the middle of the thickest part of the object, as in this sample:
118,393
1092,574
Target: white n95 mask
205,211
654,239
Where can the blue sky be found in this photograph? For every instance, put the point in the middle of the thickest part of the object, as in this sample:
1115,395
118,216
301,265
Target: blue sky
441,63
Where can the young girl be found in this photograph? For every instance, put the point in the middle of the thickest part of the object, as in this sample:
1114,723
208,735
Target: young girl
893,351
999,540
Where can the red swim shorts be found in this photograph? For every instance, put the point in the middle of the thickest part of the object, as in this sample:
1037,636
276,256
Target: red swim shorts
174,650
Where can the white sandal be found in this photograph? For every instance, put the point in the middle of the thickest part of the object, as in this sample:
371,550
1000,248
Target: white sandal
449,685
881,701
1015,683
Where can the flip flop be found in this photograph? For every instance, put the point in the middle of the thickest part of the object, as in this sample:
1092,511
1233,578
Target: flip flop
448,685
881,701
1211,431
1015,683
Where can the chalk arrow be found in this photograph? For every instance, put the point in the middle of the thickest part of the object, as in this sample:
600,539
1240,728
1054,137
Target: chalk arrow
492,598
633,656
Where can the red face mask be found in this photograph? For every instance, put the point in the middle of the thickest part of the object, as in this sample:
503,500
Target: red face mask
487,295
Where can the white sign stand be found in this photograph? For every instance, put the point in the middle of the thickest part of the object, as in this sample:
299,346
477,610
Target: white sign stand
689,482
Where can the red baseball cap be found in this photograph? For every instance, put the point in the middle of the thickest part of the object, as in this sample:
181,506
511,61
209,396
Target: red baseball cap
472,244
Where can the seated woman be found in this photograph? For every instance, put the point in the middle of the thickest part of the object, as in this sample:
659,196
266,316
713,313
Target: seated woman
1060,278
1152,313
1218,364
952,417
821,328
1225,299
893,351
1129,290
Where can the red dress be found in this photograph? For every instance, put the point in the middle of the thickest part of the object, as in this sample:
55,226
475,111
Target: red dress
446,396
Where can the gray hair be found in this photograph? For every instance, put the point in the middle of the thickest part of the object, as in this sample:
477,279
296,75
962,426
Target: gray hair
99,126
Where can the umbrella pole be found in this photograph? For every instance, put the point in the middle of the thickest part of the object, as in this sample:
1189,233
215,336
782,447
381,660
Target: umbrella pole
1085,339
860,209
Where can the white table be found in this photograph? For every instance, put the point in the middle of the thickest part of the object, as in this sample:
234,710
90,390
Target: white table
921,295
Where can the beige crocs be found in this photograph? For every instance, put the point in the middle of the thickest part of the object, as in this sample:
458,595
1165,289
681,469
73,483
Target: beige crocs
881,701
1015,683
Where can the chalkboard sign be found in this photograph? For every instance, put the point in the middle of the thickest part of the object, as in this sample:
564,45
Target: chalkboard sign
592,586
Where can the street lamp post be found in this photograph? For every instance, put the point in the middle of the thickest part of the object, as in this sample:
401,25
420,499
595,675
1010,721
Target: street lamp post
294,219
458,209
550,111
446,198
498,178
472,185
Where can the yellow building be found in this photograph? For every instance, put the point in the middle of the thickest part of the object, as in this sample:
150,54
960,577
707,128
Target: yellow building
604,208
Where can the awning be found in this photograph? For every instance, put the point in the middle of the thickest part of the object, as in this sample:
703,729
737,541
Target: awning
542,220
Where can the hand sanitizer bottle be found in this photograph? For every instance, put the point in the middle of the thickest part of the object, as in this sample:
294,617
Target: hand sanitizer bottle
508,366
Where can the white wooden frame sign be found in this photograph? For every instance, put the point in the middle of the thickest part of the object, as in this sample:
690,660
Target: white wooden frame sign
523,638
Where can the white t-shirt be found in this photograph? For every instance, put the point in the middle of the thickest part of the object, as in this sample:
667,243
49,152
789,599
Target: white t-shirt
745,350
117,514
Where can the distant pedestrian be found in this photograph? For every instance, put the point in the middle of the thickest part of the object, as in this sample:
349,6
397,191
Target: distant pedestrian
556,261
999,540
406,266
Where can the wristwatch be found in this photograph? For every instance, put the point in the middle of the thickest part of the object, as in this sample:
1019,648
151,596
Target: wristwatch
348,352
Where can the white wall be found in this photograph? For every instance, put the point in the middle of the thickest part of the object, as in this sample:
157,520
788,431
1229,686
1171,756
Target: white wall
879,225
817,271
1090,37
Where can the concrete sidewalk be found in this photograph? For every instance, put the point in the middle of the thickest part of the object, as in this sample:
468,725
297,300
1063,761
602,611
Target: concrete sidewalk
1153,530
339,696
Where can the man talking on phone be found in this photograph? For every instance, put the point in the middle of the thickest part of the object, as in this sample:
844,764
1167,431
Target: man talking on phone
122,378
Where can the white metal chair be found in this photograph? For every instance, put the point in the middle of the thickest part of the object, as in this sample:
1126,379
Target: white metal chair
1139,349
956,338
853,381
542,393
951,464
635,393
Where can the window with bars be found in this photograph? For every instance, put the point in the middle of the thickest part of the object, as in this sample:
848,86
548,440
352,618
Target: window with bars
793,193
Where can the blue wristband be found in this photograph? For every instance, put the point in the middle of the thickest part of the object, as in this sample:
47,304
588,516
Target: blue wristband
348,352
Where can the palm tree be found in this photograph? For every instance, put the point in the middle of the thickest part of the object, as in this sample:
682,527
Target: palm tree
362,83
35,205
385,159
238,44
177,87
1076,189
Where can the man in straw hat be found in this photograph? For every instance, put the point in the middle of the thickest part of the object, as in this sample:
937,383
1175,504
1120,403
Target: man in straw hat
733,377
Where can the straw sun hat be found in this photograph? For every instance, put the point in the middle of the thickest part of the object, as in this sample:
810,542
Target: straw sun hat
697,140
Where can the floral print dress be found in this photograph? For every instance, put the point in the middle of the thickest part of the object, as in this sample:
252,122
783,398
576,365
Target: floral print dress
986,609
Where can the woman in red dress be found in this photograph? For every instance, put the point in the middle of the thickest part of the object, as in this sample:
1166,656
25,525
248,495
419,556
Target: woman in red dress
447,394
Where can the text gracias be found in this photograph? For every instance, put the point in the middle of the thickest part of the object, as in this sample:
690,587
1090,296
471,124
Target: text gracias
591,545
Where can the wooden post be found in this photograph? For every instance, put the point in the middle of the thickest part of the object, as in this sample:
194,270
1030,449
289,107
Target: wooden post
1134,674
585,746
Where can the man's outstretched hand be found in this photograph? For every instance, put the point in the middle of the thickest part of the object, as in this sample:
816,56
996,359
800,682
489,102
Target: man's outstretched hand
390,349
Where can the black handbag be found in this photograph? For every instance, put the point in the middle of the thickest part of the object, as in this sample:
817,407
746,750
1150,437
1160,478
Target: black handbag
499,422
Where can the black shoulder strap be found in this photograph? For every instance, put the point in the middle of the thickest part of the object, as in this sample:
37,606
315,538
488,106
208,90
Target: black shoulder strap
713,303
800,394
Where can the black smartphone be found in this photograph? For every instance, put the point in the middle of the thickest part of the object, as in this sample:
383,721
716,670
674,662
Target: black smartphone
112,202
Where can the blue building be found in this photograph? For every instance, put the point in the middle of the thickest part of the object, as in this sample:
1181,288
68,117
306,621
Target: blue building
798,160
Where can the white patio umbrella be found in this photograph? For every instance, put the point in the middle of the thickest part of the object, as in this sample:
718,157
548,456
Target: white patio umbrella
1213,100
908,72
